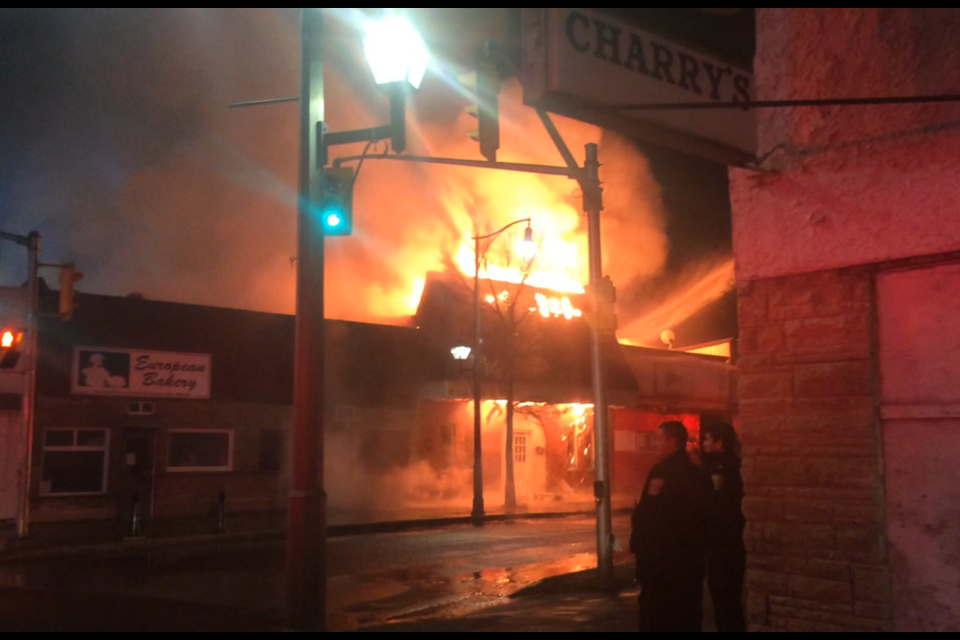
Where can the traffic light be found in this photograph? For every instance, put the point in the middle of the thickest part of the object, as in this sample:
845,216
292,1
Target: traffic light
68,277
483,86
600,313
336,201
10,339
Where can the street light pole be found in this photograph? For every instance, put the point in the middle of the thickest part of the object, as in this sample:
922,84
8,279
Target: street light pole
307,526
477,515
593,204
307,515
28,402
30,382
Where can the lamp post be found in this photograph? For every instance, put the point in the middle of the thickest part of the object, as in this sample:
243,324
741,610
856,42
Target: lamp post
477,515
32,244
307,526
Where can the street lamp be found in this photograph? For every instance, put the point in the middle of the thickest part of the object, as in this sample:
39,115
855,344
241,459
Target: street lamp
478,514
307,524
398,58
460,353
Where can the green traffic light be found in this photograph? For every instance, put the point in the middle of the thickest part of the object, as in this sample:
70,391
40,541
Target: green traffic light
333,220
336,201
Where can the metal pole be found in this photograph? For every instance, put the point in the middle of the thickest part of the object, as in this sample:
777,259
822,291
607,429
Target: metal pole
306,530
477,514
29,382
593,204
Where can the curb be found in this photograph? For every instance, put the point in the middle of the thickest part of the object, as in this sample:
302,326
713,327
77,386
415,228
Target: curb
228,541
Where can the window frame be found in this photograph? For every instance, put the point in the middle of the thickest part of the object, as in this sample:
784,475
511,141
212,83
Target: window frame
75,448
520,442
171,433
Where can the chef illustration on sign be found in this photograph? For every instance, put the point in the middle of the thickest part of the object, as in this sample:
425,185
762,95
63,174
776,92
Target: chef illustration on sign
96,375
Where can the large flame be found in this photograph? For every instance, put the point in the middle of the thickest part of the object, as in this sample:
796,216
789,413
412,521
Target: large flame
554,266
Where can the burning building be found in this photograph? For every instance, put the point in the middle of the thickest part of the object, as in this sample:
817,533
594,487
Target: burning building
187,426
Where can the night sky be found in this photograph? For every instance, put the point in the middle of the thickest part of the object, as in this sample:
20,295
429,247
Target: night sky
119,147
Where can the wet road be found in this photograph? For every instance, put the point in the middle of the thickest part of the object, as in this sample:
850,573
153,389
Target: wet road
371,579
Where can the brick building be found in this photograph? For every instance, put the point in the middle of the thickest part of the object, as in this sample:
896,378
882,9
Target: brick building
163,409
848,259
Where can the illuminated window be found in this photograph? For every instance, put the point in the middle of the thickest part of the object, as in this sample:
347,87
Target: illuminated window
200,450
74,461
520,447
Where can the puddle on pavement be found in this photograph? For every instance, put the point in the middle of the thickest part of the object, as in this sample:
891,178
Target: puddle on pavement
504,582
421,593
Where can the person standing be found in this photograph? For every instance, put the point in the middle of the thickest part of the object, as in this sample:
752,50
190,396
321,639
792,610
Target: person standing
667,536
726,553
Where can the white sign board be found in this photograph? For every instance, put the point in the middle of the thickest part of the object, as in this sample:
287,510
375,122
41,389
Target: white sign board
583,64
129,372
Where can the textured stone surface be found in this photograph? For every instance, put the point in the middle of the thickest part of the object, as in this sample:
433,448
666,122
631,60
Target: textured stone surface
808,393
844,176
837,239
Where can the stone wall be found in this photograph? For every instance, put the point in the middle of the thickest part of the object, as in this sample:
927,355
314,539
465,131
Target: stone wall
812,454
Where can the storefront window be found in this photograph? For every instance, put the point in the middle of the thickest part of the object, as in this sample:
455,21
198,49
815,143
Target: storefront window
197,450
74,461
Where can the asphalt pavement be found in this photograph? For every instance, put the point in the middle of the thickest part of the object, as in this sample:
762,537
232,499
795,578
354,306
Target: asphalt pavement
571,602
577,601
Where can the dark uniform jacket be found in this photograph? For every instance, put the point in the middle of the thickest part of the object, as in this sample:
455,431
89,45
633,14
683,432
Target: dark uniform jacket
669,523
726,521
726,553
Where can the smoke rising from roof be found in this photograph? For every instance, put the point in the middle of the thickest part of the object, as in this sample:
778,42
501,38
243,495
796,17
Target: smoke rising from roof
133,166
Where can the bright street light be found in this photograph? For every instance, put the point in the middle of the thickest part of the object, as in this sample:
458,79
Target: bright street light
395,51
403,69
461,352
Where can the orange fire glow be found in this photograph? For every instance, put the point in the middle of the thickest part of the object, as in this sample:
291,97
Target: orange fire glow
555,265
420,218
556,307
700,288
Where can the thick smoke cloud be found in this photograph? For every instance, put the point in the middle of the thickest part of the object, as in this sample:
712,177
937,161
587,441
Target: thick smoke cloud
128,160
121,149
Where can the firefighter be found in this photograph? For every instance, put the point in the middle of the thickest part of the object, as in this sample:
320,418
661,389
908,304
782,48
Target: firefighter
726,553
668,537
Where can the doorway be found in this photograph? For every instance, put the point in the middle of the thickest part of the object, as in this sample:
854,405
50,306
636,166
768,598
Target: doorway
137,482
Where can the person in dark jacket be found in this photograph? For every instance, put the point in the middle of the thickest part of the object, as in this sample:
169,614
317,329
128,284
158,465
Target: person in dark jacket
726,553
668,537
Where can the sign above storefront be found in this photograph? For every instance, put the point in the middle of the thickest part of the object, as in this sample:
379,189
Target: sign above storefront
586,65
129,372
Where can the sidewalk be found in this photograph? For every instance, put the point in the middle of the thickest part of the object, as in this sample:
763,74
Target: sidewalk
339,523
570,602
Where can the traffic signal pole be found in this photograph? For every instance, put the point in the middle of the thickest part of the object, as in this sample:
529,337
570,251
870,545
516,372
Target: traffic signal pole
29,383
25,452
592,205
306,518
601,330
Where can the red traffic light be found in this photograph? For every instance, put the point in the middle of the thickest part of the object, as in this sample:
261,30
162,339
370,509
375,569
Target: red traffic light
10,338
10,348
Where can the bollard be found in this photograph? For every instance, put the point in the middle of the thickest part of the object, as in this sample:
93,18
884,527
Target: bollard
135,516
222,513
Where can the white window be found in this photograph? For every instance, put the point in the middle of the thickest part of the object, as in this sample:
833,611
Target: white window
520,447
74,461
200,450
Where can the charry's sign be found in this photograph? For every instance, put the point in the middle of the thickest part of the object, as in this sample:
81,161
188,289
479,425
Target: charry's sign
128,372
584,64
